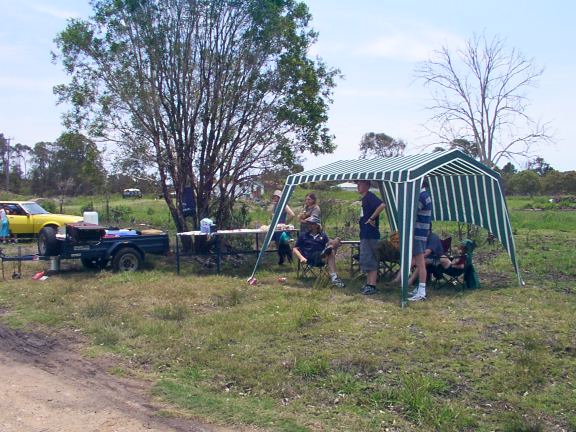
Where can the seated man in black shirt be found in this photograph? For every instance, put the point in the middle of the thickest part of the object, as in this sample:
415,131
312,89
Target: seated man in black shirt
313,246
433,253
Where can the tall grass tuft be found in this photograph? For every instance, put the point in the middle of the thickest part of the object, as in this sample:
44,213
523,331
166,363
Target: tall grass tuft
420,397
311,367
231,297
107,335
515,422
309,315
98,309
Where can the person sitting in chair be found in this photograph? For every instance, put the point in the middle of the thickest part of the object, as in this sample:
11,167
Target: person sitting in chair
457,262
313,246
461,264
433,255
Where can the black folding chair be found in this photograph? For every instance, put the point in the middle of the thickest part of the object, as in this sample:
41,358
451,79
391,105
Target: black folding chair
308,270
389,263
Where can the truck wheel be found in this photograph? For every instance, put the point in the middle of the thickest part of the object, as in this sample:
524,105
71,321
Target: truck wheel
94,263
47,243
127,259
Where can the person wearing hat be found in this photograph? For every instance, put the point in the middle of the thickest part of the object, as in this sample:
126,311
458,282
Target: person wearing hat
313,246
372,206
282,238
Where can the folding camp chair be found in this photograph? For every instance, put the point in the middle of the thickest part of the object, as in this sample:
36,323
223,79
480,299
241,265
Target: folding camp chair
387,269
450,276
308,270
389,262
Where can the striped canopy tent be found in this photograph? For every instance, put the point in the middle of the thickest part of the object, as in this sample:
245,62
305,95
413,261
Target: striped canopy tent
462,189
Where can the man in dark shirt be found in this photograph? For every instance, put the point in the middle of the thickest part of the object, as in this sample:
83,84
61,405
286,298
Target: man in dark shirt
313,246
372,206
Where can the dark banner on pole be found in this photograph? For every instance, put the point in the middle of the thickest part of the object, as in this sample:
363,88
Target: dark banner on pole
188,202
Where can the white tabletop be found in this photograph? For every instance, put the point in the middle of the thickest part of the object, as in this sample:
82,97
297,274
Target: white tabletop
232,232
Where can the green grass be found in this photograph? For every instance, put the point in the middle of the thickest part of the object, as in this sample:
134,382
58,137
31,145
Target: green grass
303,356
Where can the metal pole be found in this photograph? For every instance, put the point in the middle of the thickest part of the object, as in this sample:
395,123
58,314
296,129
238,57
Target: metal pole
177,255
217,253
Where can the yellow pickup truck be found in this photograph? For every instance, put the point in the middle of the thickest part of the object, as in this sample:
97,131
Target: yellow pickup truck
28,218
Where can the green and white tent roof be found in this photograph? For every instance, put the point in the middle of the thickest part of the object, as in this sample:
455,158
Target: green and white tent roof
396,169
462,189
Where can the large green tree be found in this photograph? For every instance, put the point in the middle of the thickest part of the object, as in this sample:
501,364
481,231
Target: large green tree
525,182
208,93
70,166
380,145
5,159
555,182
40,165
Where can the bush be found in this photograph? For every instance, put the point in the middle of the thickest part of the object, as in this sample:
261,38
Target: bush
87,208
240,217
120,213
525,183
50,206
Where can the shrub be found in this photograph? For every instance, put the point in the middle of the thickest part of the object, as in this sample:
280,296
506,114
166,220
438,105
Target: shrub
50,206
120,213
87,208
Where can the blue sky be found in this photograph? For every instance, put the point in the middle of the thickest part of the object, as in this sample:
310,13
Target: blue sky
375,44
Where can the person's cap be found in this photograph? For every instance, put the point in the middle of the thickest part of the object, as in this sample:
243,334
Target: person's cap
277,193
312,220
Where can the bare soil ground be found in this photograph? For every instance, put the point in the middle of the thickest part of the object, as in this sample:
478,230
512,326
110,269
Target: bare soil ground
47,386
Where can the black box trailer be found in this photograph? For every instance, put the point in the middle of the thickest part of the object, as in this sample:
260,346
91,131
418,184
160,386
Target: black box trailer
97,246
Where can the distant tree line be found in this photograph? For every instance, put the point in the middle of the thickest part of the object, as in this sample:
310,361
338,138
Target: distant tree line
538,178
72,165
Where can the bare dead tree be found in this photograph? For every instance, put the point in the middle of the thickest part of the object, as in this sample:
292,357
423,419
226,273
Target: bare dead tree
480,97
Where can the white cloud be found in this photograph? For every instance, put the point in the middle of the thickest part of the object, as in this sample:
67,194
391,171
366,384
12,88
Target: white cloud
55,12
410,44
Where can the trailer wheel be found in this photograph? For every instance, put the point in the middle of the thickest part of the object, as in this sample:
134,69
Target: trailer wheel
47,243
94,263
127,259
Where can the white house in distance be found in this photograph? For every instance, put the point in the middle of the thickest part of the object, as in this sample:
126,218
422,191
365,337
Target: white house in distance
347,186
351,187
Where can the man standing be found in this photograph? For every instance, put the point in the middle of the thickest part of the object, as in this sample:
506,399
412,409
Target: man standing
421,232
372,206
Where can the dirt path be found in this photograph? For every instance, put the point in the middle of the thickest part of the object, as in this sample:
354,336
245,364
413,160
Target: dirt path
45,386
